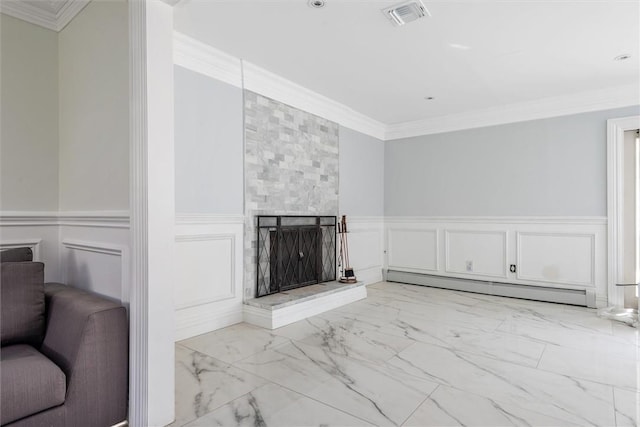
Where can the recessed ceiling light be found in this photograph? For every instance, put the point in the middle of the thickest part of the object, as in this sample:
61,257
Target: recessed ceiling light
459,46
622,57
316,3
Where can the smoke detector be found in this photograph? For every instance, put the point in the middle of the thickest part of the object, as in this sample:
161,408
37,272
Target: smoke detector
404,12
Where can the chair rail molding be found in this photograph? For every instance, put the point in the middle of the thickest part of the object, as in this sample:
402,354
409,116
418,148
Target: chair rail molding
102,219
615,203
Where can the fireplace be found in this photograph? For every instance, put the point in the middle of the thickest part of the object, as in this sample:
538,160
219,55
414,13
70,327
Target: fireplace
294,251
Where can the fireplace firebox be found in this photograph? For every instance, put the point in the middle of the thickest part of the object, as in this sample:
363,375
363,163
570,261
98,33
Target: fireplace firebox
294,251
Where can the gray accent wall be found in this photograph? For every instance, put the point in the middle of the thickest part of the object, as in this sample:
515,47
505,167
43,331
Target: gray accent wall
208,145
94,108
29,117
548,167
361,174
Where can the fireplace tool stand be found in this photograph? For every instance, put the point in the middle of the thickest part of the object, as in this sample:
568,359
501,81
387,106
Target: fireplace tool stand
347,275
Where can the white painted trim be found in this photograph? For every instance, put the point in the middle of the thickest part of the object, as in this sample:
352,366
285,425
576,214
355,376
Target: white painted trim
69,11
505,252
208,219
615,200
197,56
369,275
106,219
41,16
273,319
204,59
582,220
97,247
208,238
33,243
389,247
139,293
592,238
105,249
203,319
595,100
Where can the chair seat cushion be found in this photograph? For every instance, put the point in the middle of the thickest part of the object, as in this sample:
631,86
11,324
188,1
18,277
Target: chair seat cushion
30,383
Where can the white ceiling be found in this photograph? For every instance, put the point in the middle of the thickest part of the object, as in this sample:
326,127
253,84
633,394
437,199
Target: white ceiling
469,55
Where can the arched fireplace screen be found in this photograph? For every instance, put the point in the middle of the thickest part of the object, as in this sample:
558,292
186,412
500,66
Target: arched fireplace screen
294,251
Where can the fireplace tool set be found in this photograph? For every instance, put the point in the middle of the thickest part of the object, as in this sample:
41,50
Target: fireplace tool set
347,276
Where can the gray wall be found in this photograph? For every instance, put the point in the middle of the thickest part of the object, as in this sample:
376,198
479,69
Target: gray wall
361,174
208,144
94,108
29,106
549,167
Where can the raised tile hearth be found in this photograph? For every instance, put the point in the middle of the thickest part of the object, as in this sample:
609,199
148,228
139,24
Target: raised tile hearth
281,309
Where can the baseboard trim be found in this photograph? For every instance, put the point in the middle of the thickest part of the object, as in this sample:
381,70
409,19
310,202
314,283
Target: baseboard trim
537,293
206,318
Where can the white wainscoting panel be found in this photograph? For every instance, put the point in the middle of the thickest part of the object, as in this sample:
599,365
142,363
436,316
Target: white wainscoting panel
548,252
366,247
479,253
199,283
96,266
413,249
33,243
208,288
564,258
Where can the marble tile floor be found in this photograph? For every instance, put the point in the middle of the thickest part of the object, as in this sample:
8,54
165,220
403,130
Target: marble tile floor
416,356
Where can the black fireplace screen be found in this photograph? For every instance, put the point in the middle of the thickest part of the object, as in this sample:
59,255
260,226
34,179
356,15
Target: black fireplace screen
294,251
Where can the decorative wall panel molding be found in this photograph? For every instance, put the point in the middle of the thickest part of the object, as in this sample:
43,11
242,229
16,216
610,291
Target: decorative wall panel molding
33,243
208,285
565,258
561,253
413,249
206,265
107,219
97,266
366,247
476,252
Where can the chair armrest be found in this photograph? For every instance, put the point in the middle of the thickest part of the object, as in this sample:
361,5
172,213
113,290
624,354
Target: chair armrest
87,336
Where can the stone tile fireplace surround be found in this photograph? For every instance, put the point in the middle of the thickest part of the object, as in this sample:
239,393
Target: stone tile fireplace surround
291,168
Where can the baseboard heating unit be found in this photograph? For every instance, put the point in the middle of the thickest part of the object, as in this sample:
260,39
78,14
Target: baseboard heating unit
538,293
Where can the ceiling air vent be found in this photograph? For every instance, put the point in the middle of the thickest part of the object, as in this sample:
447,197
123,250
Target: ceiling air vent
407,11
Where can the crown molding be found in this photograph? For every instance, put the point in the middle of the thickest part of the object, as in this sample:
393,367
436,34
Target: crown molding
204,59
196,56
583,102
41,16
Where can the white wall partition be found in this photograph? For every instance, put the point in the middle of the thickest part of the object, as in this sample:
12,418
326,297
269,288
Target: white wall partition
559,253
208,286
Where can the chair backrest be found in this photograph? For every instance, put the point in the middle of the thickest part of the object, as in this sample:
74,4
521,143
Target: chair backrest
16,255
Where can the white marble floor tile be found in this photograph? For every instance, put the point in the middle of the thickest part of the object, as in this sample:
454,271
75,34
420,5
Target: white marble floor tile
597,365
553,395
382,395
626,333
347,339
234,342
204,383
627,407
272,405
586,341
491,361
448,406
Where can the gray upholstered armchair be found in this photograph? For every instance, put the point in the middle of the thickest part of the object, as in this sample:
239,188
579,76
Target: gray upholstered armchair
64,354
